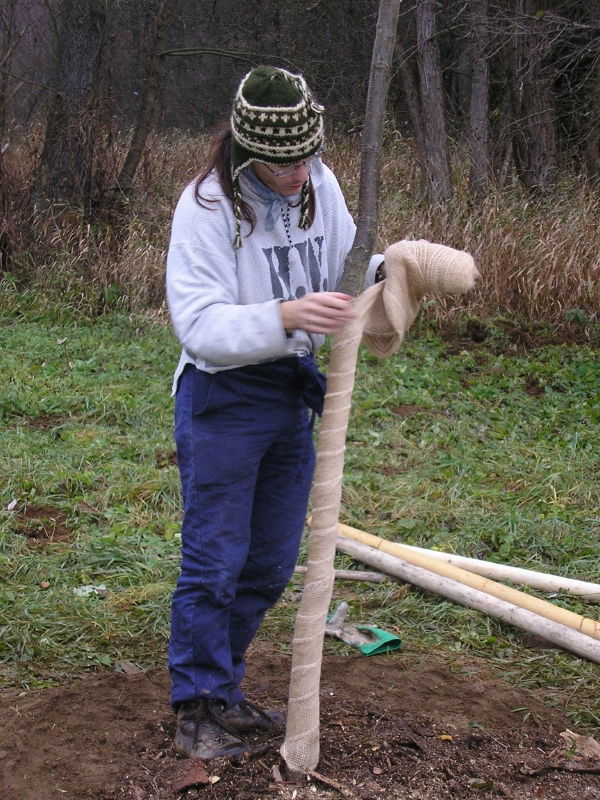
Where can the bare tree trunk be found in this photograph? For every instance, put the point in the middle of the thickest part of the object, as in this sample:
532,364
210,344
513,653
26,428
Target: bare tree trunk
8,43
65,174
479,110
411,93
462,56
506,129
357,259
536,149
165,16
592,151
592,156
432,102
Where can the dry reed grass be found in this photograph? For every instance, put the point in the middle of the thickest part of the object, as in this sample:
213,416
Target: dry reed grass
539,259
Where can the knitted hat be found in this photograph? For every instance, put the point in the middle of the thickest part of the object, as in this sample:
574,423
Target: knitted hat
275,120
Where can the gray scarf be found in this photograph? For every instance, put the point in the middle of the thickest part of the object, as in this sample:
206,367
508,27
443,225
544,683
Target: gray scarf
274,200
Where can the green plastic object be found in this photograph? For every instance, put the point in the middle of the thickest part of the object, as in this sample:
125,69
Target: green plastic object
386,642
371,641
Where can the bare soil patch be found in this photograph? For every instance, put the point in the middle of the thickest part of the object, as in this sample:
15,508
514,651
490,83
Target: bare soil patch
165,458
390,728
407,410
44,422
40,524
520,338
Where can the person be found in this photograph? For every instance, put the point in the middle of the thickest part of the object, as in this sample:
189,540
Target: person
257,250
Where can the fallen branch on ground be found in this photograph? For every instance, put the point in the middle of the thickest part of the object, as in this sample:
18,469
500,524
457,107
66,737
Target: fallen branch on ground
351,575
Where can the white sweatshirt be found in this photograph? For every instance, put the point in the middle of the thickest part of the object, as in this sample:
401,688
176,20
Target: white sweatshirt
224,302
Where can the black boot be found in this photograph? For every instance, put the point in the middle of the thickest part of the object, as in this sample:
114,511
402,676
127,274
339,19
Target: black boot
199,735
245,717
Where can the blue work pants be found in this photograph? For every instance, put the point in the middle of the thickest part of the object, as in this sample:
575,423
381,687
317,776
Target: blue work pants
246,460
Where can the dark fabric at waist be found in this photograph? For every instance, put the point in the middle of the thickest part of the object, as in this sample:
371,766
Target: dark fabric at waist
299,374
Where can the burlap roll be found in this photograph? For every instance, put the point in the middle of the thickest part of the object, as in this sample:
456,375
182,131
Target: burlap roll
383,315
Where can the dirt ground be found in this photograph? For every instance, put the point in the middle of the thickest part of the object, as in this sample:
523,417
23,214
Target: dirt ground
391,727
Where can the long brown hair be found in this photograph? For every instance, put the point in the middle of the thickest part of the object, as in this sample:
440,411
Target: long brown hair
219,162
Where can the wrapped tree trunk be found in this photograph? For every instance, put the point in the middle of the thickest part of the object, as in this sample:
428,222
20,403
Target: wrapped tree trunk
301,746
383,315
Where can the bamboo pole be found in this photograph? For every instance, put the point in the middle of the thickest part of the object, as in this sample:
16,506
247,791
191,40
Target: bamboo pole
517,575
561,635
541,607
524,577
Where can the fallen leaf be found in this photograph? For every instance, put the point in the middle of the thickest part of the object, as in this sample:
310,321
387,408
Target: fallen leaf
195,776
584,745
481,783
445,737
86,508
127,667
89,589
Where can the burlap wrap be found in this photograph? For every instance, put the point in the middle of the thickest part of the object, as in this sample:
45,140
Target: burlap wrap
383,315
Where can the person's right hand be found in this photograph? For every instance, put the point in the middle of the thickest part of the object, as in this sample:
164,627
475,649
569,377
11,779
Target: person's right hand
317,312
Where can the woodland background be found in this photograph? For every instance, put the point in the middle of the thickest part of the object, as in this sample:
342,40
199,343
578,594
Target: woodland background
491,144
481,438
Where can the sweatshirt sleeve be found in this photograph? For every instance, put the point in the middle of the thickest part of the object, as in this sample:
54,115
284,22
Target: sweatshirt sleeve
374,264
202,292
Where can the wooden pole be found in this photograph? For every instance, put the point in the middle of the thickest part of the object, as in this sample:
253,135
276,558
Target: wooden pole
350,575
544,609
554,632
517,575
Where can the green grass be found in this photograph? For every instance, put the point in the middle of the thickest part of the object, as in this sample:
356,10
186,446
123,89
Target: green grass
101,390
483,467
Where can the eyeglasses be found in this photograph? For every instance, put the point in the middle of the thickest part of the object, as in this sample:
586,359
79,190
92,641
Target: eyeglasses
293,167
